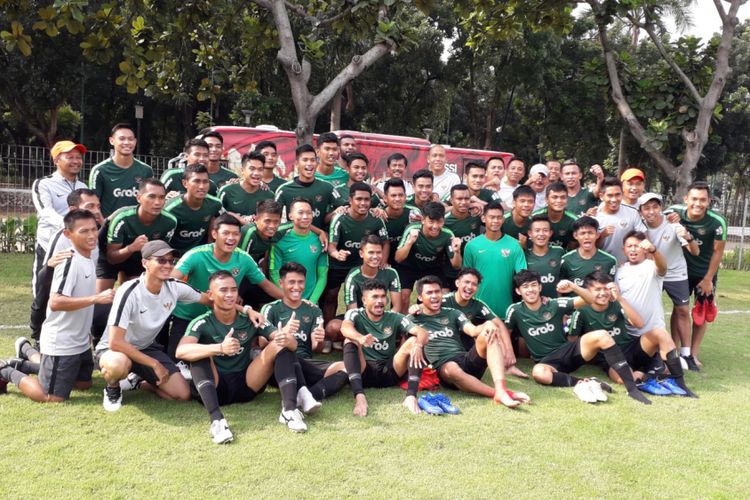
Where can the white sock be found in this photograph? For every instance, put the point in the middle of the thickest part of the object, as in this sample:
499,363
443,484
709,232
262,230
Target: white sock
684,351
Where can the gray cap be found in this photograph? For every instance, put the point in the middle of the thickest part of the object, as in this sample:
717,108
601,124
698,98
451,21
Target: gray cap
646,197
156,248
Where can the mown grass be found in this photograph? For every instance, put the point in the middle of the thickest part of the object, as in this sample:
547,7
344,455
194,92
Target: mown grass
557,447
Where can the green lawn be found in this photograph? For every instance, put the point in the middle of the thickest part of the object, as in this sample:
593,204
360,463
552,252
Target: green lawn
556,447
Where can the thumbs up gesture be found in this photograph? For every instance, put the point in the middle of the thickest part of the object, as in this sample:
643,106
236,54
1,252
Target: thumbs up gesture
230,345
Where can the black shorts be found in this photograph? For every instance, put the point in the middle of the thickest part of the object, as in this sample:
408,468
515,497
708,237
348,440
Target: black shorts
678,291
58,374
693,283
233,388
254,295
147,373
470,362
566,358
314,370
636,357
409,276
336,278
380,374
105,270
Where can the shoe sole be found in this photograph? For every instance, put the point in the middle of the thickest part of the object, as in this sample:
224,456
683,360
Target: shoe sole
313,410
20,341
225,441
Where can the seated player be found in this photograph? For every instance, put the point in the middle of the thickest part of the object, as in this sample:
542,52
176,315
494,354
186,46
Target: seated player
540,324
457,367
324,378
372,355
610,311
66,361
543,257
586,259
217,344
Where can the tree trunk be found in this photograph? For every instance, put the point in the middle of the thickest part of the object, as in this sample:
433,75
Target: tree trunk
622,159
336,111
304,130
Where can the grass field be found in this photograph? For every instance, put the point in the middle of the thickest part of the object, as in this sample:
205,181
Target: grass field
557,447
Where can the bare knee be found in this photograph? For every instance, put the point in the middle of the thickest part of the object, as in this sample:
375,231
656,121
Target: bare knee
114,366
601,339
333,330
541,374
83,385
180,389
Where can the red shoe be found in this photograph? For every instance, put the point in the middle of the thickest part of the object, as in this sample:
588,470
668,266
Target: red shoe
711,311
699,313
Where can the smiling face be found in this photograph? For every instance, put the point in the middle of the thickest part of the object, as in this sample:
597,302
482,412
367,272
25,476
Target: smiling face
557,201
632,189
357,170
524,205
197,185
224,292
267,224
328,152
271,157
226,237
395,198
600,293
530,292
293,285
160,267
554,170
123,141
571,176
651,213
540,232
432,227
301,215
359,201
432,297
466,286
84,235
515,172
348,146
697,201
151,199
612,198
423,189
70,163
397,169
252,173
436,160
215,148
372,255
306,165
197,154
493,220
475,178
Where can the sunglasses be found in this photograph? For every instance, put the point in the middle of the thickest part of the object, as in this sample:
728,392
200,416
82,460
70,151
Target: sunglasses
163,261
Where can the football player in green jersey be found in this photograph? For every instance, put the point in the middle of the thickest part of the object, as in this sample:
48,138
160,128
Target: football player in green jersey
358,168
241,198
372,268
581,200
456,367
423,186
196,151
461,223
217,344
133,227
218,174
609,311
328,154
115,180
710,230
540,324
398,214
195,211
371,353
586,259
516,223
475,176
270,179
543,257
559,217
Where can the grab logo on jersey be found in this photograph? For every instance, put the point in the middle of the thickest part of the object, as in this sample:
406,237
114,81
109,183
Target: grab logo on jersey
352,244
467,238
425,258
301,336
547,278
614,332
445,333
381,346
542,330
121,193
191,234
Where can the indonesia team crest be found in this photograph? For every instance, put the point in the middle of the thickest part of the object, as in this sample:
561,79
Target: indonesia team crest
313,249
505,252
388,330
241,335
611,317
167,305
235,271
547,315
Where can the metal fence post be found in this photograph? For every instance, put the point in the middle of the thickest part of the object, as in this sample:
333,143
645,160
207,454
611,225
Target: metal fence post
742,234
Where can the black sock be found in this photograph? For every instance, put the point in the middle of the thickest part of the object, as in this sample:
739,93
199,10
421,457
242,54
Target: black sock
12,375
353,367
672,361
284,372
560,379
328,386
301,382
616,360
203,378
25,366
413,381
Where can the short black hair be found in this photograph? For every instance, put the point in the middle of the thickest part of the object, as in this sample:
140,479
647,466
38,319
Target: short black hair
474,164
422,173
265,144
305,148
150,181
70,219
347,136
212,133
434,210
556,187
74,198
493,205
469,270
526,276
610,182
269,206
523,190
292,267
427,280
539,218
121,125
193,169
597,277
371,239
195,142
299,199
634,233
373,284
253,155
396,157
359,186
700,185
226,220
357,156
327,137
585,221
494,158
459,187
393,183
220,274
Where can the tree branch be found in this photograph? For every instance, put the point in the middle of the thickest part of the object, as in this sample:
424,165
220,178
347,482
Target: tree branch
720,10
298,9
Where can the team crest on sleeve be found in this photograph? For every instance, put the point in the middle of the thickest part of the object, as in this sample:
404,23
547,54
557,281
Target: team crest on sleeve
235,271
547,315
611,317
505,252
167,305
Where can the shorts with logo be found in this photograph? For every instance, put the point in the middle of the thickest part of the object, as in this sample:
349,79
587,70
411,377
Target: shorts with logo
147,373
233,388
58,374
678,291
380,373
694,280
566,358
470,362
336,278
409,276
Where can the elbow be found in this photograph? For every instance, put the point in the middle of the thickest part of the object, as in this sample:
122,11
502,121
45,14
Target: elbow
54,303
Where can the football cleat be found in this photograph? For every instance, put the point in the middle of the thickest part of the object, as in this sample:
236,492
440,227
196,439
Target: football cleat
596,390
131,382
112,398
444,403
426,405
652,386
671,386
691,364
711,311
185,370
699,313
583,391
20,342
294,420
220,432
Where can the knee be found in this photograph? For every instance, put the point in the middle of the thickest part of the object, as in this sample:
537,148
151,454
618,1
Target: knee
83,385
602,339
682,312
541,374
114,366
333,328
181,391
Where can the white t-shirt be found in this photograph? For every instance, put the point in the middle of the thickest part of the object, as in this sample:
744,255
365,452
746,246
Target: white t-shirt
443,183
670,245
540,201
506,193
625,220
407,187
66,333
60,242
641,286
141,313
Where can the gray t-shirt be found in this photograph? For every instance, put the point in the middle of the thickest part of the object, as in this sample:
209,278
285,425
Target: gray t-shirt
443,183
625,220
670,245
141,313
66,333
641,286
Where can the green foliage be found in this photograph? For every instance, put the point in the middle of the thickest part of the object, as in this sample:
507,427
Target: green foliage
17,234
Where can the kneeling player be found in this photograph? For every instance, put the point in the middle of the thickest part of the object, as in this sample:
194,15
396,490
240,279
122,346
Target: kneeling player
217,344
456,366
370,353
540,323
611,312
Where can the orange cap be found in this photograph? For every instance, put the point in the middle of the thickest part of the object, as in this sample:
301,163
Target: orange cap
632,173
66,146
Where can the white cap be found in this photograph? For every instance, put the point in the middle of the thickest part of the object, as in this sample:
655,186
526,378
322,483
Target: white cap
539,168
646,197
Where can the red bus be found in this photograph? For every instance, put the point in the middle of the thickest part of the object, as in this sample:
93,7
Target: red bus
377,147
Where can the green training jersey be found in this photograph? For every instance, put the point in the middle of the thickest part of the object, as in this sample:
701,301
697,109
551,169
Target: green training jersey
336,178
485,195
395,228
444,330
309,317
388,330
512,229
222,176
426,254
235,199
347,233
497,261
612,319
254,244
172,180
475,310
711,228
209,330
355,281
117,187
275,183
581,202
198,264
575,268
548,267
541,329
125,227
562,234
320,193
306,250
465,229
192,225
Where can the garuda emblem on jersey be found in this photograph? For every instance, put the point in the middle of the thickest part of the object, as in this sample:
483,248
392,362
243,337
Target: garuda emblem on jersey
318,197
505,252
597,267
306,319
701,231
235,271
547,315
444,321
313,249
388,330
241,335
611,317
553,263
